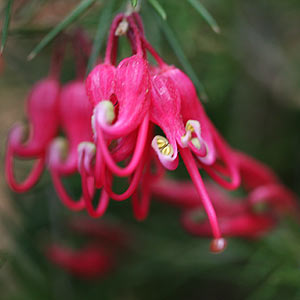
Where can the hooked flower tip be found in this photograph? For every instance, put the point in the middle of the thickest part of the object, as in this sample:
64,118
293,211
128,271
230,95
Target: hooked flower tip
165,151
86,153
19,134
58,150
191,127
218,245
196,143
104,112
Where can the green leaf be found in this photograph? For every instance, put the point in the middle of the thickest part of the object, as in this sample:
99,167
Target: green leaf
8,8
156,5
76,13
134,3
170,36
100,34
205,15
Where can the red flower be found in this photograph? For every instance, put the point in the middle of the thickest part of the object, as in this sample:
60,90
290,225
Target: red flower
75,113
239,217
121,99
128,100
42,114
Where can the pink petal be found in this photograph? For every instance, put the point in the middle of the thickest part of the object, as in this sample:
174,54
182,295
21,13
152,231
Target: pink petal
192,109
165,112
42,112
132,93
100,84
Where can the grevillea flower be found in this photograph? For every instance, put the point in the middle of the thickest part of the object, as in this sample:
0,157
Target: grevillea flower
121,99
127,99
109,132
173,94
126,85
236,217
201,137
50,108
241,217
42,114
75,114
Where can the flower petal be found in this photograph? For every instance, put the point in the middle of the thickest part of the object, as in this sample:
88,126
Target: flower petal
165,112
192,109
132,93
42,112
100,83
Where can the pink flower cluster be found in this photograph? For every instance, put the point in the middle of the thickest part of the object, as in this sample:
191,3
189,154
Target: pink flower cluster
52,108
112,121
249,216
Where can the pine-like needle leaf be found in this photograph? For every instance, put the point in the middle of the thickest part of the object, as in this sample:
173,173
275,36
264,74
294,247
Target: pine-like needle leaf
205,15
100,34
69,19
5,27
156,5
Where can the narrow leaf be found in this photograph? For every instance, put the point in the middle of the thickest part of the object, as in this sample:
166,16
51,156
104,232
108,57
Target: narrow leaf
6,21
175,45
77,12
134,3
205,15
100,34
156,5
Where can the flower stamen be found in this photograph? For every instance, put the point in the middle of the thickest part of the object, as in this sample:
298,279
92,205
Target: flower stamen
189,127
106,112
164,147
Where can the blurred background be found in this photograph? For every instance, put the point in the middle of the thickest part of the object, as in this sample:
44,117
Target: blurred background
248,77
